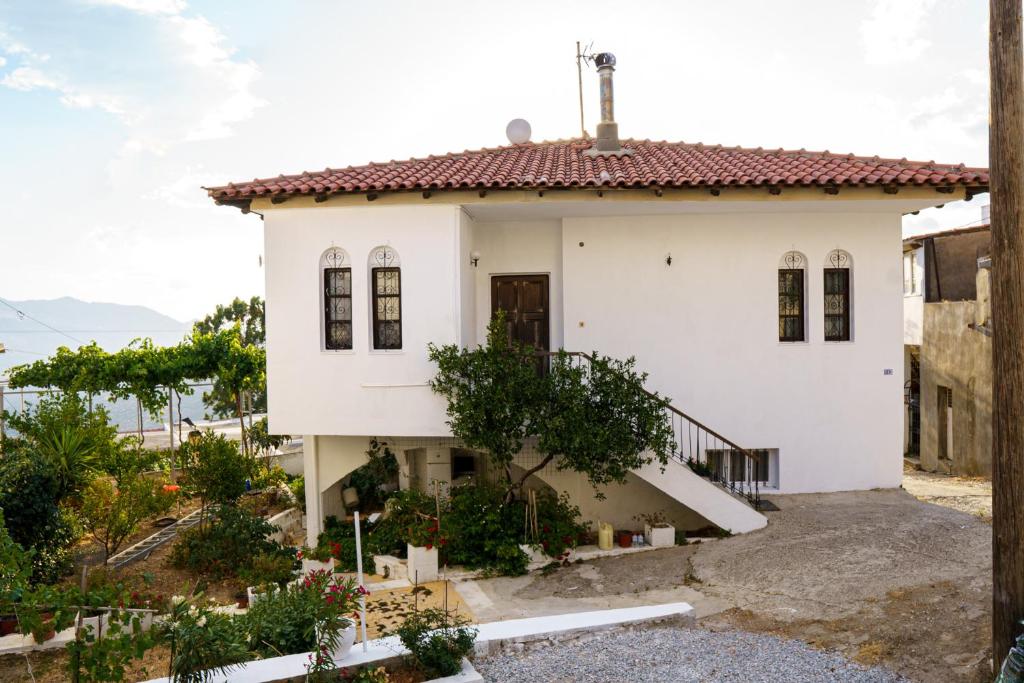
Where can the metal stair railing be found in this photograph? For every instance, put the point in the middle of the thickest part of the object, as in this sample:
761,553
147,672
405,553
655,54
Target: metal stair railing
708,453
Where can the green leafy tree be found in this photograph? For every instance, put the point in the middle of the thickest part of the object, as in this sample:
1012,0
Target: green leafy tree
595,417
237,367
494,394
214,470
250,318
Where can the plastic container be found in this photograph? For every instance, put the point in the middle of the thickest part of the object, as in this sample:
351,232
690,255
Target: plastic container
605,534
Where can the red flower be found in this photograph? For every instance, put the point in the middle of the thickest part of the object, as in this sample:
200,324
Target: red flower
429,546
444,541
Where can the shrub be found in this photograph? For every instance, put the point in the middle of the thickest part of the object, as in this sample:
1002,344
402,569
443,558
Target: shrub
35,519
438,640
479,531
68,436
267,569
15,569
402,510
204,644
283,622
113,511
558,523
298,488
226,545
214,469
269,478
339,540
381,468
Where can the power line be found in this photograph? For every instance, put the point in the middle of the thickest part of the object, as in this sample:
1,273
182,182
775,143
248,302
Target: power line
33,353
23,314
89,331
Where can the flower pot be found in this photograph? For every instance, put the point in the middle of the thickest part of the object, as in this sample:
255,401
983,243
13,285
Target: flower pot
346,637
257,593
625,539
422,564
309,565
242,601
8,624
660,536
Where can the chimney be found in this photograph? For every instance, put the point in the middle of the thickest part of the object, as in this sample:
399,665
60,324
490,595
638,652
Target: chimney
607,141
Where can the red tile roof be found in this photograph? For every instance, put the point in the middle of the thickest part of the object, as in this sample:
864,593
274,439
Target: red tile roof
562,164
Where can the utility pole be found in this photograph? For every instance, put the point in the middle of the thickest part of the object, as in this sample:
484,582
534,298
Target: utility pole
1006,159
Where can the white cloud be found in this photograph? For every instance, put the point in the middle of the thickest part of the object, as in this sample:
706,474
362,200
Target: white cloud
26,78
3,62
890,33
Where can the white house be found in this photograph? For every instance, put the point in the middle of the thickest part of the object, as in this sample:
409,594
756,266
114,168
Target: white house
760,289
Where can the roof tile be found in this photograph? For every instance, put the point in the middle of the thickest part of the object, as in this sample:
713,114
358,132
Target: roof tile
563,164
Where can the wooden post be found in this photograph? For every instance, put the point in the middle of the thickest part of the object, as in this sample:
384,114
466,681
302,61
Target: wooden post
1006,158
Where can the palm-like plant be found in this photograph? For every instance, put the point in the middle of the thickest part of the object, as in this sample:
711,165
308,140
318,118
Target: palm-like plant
73,456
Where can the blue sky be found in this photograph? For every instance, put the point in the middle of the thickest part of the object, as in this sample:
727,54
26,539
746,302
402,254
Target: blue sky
114,112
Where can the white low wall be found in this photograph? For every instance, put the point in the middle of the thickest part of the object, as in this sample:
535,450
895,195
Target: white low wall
490,637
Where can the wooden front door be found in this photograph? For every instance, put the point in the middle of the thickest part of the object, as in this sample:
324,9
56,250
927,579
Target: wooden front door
524,298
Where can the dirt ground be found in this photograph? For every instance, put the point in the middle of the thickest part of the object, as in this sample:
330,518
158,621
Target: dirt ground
877,575
968,494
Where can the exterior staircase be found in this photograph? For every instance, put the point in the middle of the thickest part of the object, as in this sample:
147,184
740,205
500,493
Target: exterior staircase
706,472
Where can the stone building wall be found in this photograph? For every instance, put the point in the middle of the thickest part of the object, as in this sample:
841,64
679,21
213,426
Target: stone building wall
959,358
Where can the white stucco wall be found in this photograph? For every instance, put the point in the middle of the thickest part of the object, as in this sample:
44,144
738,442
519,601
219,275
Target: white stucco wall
913,297
362,391
706,329
511,248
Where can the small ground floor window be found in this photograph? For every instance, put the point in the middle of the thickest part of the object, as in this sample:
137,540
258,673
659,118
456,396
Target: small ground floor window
731,465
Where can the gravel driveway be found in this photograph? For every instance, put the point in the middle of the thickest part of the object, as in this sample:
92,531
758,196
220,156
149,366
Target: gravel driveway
659,655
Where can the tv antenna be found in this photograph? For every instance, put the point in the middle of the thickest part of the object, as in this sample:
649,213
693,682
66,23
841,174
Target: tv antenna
582,56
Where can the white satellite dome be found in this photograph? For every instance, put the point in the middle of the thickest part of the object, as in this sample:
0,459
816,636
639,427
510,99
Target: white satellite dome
518,131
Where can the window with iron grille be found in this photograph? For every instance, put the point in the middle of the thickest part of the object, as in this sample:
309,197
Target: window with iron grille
337,308
791,305
837,304
732,465
387,308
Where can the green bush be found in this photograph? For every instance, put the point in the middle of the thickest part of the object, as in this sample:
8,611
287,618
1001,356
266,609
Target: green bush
268,568
281,623
559,524
269,477
226,545
214,469
437,640
339,539
29,500
403,510
298,489
380,468
480,532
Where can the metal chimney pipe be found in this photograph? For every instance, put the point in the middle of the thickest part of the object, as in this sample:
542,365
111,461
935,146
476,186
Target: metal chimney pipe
607,142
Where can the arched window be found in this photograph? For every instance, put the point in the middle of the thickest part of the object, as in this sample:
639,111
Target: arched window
386,290
336,278
792,300
838,296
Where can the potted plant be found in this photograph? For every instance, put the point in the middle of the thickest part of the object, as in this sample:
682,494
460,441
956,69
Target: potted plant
422,551
332,600
658,533
314,559
258,592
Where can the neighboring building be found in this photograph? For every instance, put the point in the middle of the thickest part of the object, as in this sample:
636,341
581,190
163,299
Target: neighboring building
948,350
758,288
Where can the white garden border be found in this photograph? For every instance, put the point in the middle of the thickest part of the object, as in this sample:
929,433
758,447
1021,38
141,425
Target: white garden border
491,637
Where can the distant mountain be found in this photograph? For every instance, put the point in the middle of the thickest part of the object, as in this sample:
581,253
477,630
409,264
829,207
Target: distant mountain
112,326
